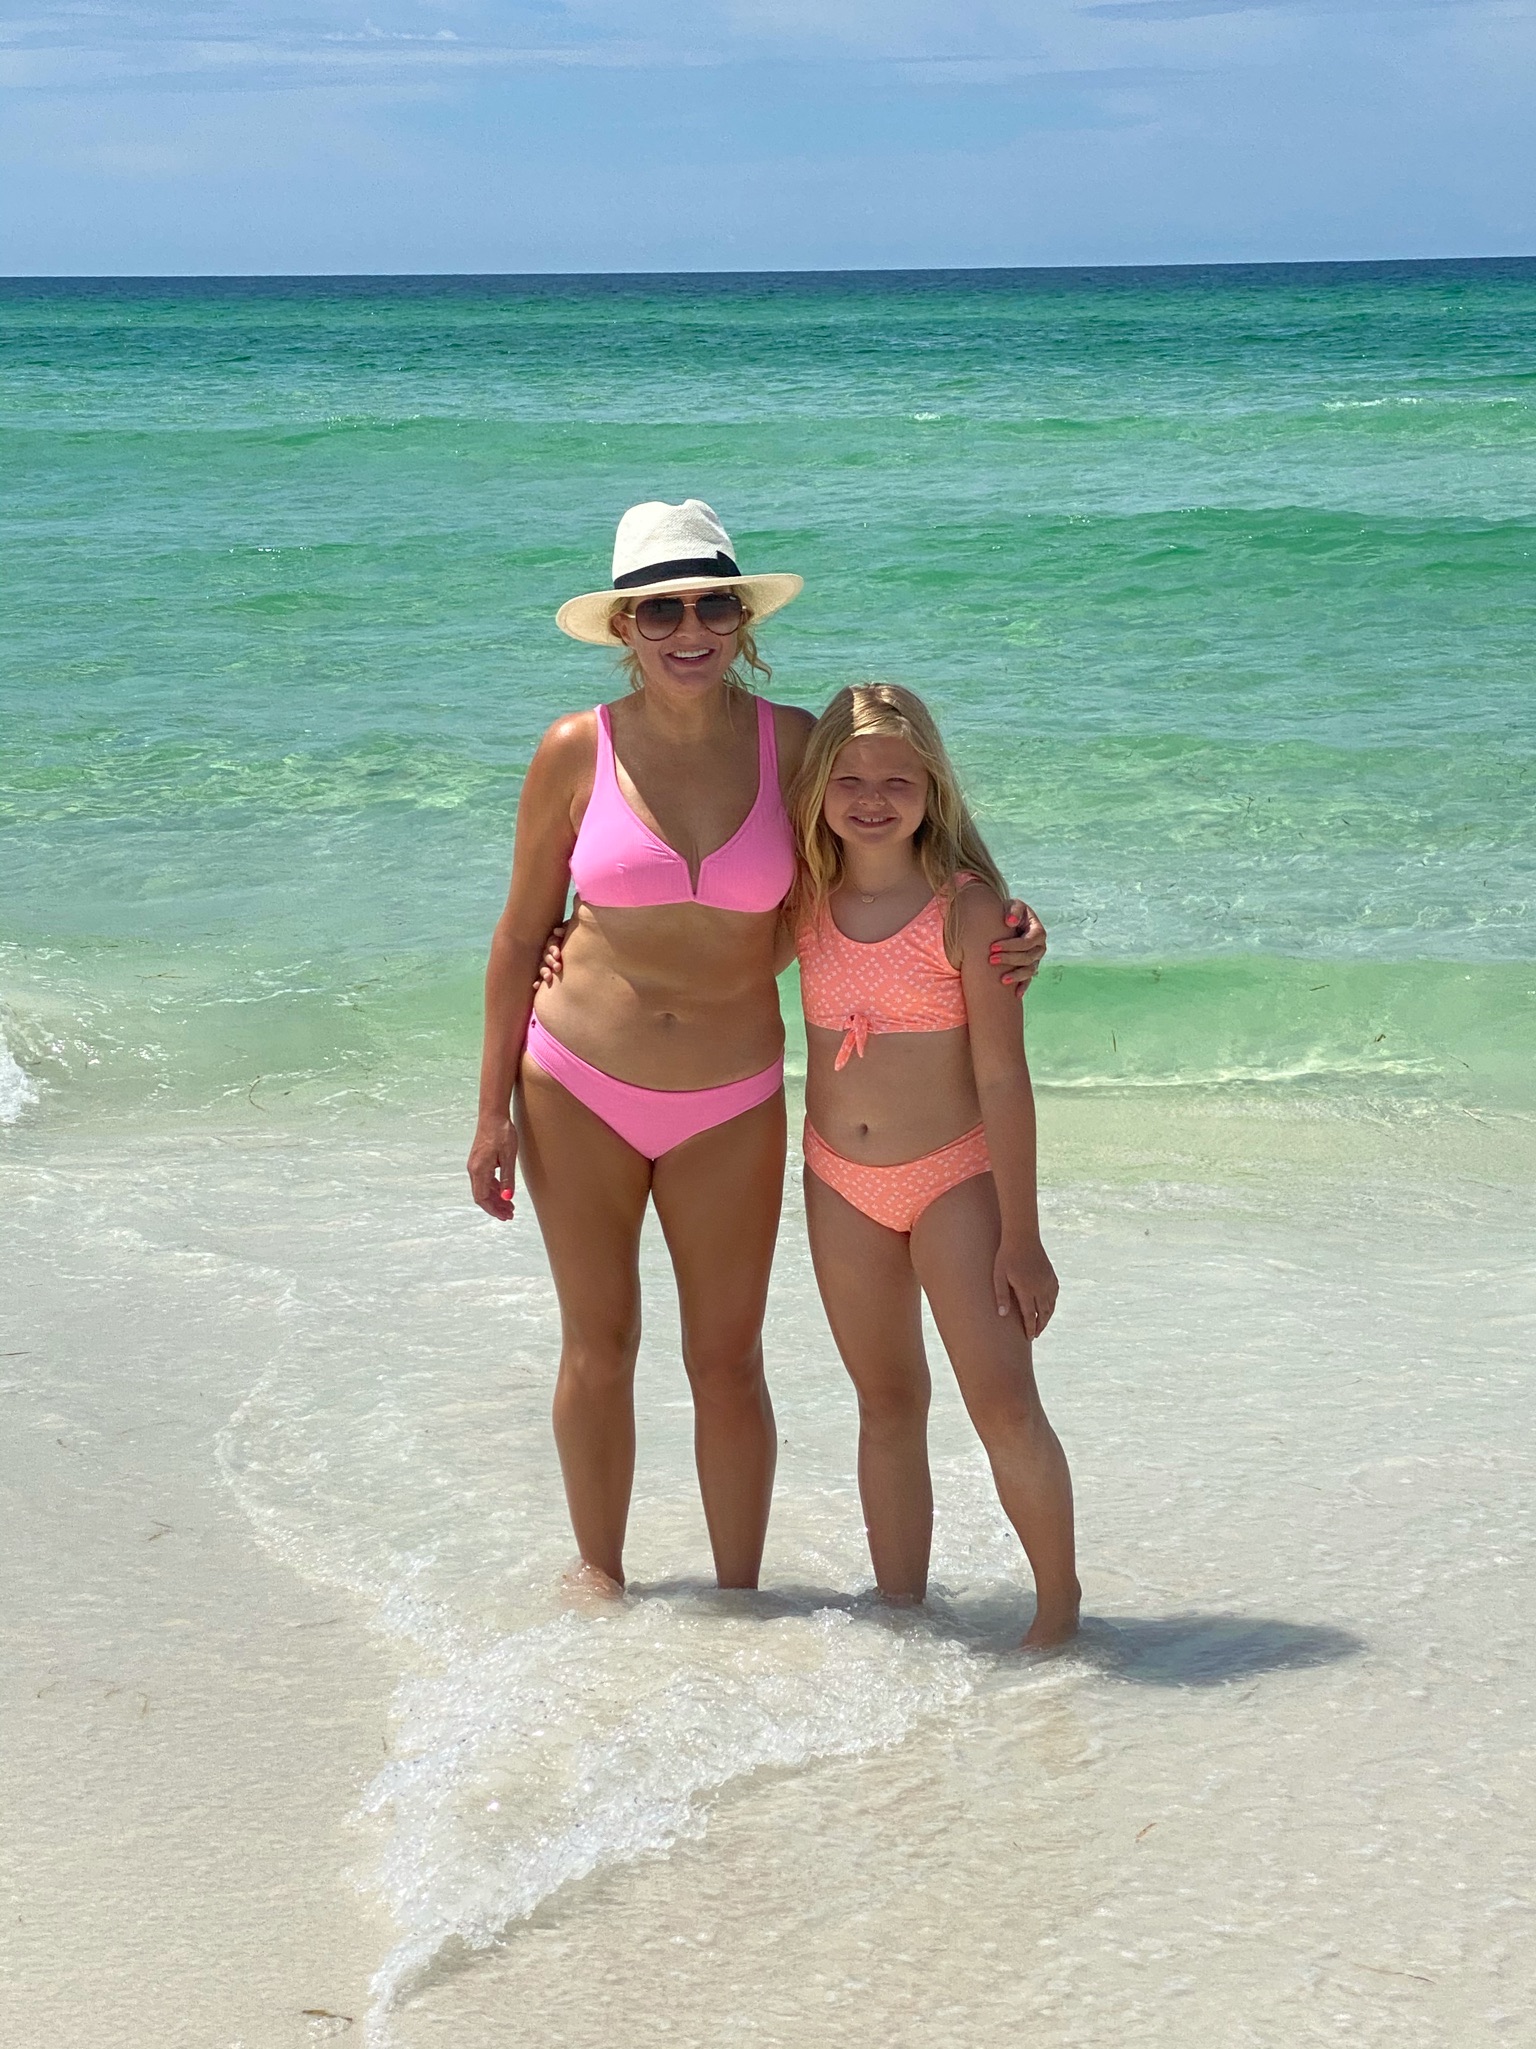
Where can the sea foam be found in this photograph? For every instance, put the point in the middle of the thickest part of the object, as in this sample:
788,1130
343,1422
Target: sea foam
532,1761
18,1091
534,1747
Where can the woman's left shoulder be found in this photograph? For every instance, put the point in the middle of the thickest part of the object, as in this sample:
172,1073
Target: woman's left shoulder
791,729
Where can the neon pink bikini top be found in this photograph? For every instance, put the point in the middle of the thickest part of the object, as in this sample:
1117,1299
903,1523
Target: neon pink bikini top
619,863
902,984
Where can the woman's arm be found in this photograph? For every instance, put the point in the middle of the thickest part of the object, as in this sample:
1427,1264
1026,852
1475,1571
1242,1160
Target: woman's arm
1022,1273
541,859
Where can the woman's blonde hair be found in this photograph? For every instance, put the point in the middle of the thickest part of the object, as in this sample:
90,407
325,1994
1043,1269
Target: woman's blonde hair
947,839
733,679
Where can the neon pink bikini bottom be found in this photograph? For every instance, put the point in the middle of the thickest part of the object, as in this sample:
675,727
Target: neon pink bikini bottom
653,1121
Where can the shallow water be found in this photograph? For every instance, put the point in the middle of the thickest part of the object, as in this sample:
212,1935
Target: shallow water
1286,1760
1220,582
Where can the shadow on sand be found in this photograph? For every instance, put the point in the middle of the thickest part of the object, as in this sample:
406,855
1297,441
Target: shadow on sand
1208,1650
1161,1650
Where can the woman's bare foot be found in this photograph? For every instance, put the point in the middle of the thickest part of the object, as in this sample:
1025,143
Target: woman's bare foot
582,1584
1055,1623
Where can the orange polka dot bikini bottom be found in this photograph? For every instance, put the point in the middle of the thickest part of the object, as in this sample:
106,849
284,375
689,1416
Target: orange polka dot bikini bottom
896,1196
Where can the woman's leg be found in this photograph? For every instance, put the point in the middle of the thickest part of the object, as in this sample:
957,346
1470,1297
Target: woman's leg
718,1197
867,1284
589,1192
954,1244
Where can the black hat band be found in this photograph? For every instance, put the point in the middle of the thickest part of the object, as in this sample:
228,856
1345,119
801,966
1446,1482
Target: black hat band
671,572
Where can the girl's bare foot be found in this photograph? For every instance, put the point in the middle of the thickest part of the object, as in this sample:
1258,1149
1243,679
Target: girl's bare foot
1055,1623
582,1583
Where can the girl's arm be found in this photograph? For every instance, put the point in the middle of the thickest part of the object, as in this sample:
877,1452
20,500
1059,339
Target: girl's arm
1021,1273
541,862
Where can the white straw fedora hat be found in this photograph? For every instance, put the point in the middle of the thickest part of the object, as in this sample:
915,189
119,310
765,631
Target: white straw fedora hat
660,548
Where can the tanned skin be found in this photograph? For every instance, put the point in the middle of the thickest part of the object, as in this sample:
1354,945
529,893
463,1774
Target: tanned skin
679,996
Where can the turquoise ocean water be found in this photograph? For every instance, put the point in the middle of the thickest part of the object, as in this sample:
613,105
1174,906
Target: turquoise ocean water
1221,581
1223,584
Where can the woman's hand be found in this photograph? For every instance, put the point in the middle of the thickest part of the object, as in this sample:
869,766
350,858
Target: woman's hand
492,1161
552,960
1020,956
1021,1273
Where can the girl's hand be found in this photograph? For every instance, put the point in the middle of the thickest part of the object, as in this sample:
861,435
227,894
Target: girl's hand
1021,1273
552,962
1019,957
492,1161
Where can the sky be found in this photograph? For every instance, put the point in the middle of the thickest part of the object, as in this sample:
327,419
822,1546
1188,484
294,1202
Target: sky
293,136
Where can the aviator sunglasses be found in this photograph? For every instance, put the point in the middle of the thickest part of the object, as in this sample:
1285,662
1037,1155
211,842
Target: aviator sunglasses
717,611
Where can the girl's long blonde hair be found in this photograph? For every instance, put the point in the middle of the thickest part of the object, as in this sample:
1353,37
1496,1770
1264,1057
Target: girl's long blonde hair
947,839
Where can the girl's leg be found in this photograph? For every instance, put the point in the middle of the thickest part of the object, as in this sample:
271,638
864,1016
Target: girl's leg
954,1244
870,1292
589,1192
718,1197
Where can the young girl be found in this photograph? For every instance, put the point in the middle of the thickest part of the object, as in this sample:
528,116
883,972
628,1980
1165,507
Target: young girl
920,1136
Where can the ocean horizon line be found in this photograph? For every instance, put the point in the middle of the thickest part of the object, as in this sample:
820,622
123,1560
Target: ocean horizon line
1280,267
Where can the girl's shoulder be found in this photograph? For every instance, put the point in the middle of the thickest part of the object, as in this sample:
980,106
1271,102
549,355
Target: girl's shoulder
974,899
973,916
964,882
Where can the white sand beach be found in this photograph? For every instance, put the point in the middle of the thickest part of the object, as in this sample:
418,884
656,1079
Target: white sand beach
305,1744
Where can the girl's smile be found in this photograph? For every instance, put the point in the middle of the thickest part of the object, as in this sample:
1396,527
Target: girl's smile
878,791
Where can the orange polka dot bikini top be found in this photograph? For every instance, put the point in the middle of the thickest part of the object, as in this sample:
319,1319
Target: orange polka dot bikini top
902,984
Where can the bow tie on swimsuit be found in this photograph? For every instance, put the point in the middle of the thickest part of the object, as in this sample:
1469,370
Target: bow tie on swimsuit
857,1026
905,983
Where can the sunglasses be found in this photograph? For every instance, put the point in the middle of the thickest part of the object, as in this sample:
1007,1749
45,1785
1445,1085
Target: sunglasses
717,611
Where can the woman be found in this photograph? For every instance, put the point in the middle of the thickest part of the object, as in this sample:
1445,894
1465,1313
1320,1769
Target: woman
652,1068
